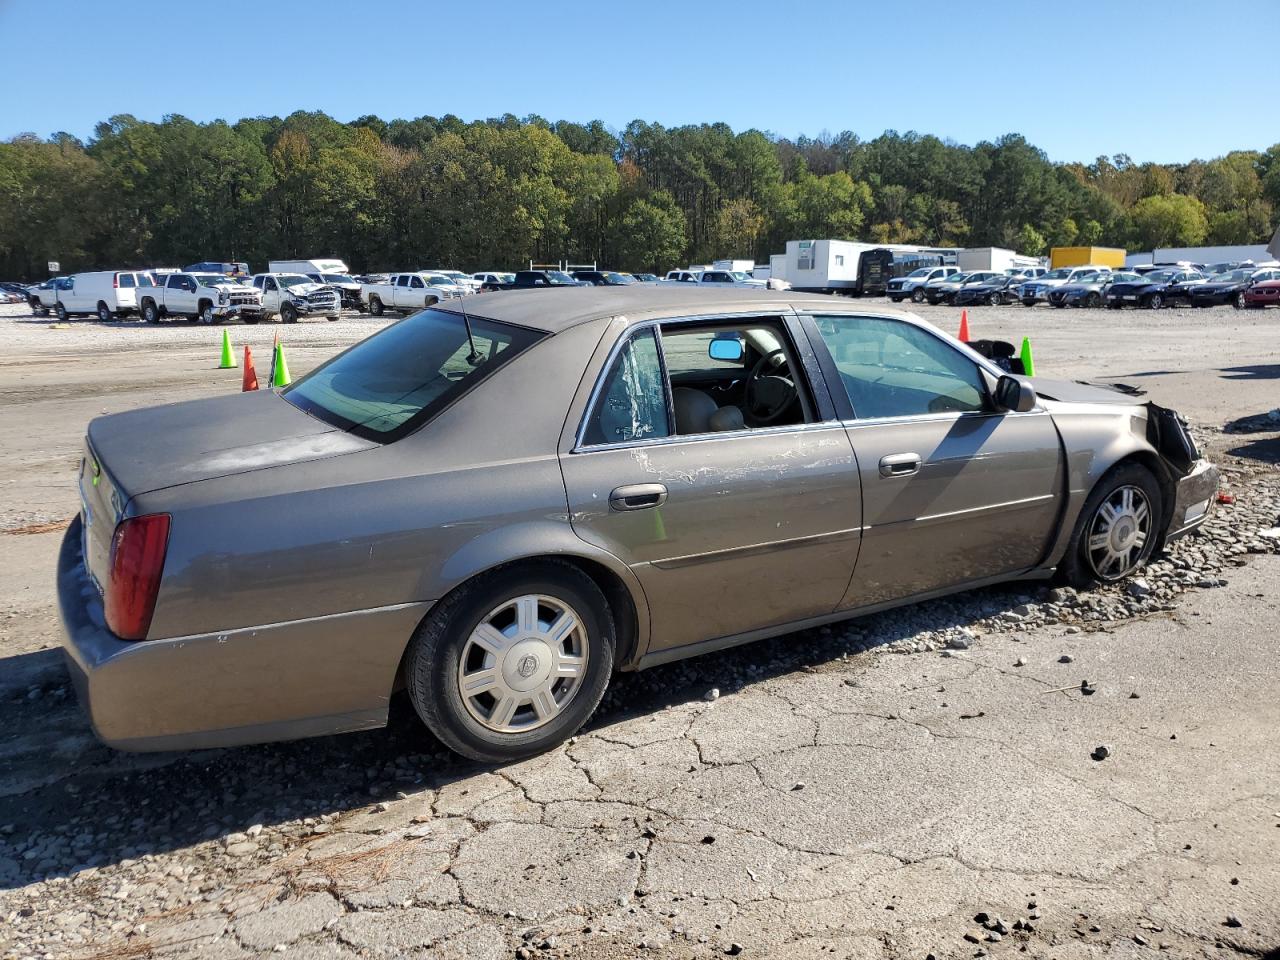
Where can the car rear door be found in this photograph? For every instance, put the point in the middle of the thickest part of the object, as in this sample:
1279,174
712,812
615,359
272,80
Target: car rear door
727,532
953,491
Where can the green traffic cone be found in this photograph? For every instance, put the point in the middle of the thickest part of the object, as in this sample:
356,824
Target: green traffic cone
228,358
1028,362
281,376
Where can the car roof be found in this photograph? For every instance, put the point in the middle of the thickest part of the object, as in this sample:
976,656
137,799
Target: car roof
555,310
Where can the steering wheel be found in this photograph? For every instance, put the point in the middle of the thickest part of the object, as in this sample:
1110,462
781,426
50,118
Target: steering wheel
769,391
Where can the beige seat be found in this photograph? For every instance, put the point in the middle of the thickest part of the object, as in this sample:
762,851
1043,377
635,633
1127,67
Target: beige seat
698,413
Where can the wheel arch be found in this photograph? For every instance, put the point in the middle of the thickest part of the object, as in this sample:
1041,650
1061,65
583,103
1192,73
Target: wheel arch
513,547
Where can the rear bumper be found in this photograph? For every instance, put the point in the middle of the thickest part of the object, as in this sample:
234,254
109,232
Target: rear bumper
1193,499
280,681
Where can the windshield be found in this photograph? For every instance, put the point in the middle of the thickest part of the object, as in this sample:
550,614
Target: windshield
556,276
336,278
293,280
739,275
1235,276
1060,274
619,278
920,272
1160,276
1125,278
437,279
211,279
955,278
393,382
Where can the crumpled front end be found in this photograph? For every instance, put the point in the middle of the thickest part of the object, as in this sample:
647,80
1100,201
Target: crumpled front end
1195,479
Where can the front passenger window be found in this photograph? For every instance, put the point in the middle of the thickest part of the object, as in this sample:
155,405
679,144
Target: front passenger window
632,404
890,368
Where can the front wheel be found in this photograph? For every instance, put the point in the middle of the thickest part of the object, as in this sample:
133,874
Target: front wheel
514,662
1094,300
1155,302
375,306
61,311
38,308
993,300
206,315
288,314
430,302
1238,301
917,295
149,312
334,317
1117,529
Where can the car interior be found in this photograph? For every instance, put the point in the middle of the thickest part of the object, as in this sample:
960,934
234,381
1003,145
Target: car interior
733,377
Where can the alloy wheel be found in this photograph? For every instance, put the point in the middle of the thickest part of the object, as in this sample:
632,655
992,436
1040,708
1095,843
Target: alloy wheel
1118,532
523,663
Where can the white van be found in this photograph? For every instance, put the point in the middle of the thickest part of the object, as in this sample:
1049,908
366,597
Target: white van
108,293
306,267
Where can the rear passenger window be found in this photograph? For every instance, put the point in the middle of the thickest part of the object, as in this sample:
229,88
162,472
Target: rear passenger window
632,404
125,279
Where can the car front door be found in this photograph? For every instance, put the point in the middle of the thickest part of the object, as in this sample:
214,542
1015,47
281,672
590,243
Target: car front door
954,491
729,528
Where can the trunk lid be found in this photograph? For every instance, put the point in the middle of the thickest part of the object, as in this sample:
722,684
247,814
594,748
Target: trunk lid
158,447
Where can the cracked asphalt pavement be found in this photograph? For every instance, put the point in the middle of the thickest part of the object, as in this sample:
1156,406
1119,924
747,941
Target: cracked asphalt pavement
923,782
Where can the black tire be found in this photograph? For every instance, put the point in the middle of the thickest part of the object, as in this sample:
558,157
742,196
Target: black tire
61,311
104,312
150,313
334,317
250,318
430,302
288,314
1028,303
206,314
917,295
896,299
38,308
1238,300
375,306
1057,304
1154,302
431,661
1078,568
1093,300
993,299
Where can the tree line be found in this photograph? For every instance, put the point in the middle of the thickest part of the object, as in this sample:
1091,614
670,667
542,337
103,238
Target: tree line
497,193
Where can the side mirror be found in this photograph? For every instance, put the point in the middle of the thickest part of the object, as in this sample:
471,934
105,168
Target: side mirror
725,348
1015,395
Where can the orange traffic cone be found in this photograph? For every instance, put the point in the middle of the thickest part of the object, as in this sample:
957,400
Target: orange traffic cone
250,381
963,335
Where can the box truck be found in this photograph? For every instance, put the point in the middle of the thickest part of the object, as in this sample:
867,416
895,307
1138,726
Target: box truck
1086,257
994,258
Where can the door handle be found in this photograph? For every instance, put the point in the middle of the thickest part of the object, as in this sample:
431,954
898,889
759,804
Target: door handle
900,465
638,496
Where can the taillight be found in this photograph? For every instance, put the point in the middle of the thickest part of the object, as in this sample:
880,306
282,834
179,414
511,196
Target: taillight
115,281
137,561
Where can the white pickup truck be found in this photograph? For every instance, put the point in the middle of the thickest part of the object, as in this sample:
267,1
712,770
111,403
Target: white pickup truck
715,278
291,295
207,297
407,292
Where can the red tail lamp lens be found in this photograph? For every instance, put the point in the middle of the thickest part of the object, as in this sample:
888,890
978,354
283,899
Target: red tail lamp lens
137,561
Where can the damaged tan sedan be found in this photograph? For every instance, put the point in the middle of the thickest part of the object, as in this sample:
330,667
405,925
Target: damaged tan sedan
498,509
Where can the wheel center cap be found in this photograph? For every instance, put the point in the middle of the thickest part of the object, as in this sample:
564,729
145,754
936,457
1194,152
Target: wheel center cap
527,665
1123,534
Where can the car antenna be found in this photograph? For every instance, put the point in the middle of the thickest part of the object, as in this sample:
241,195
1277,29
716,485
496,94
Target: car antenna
473,356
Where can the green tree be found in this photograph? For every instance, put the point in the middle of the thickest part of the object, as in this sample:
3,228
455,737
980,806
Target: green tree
1029,241
1173,220
651,235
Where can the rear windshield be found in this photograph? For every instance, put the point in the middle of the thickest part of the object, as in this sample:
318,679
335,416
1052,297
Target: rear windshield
390,384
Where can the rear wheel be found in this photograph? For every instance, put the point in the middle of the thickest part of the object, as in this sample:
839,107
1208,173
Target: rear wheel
334,317
1238,301
1094,300
288,313
375,306
1117,529
896,299
250,317
993,298
104,312
431,301
514,662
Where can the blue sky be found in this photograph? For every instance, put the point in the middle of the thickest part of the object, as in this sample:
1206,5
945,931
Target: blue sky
1160,83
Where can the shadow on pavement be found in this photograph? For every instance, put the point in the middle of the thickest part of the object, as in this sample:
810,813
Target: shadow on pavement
1255,371
90,805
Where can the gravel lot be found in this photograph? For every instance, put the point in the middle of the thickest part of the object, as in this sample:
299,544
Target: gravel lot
918,782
